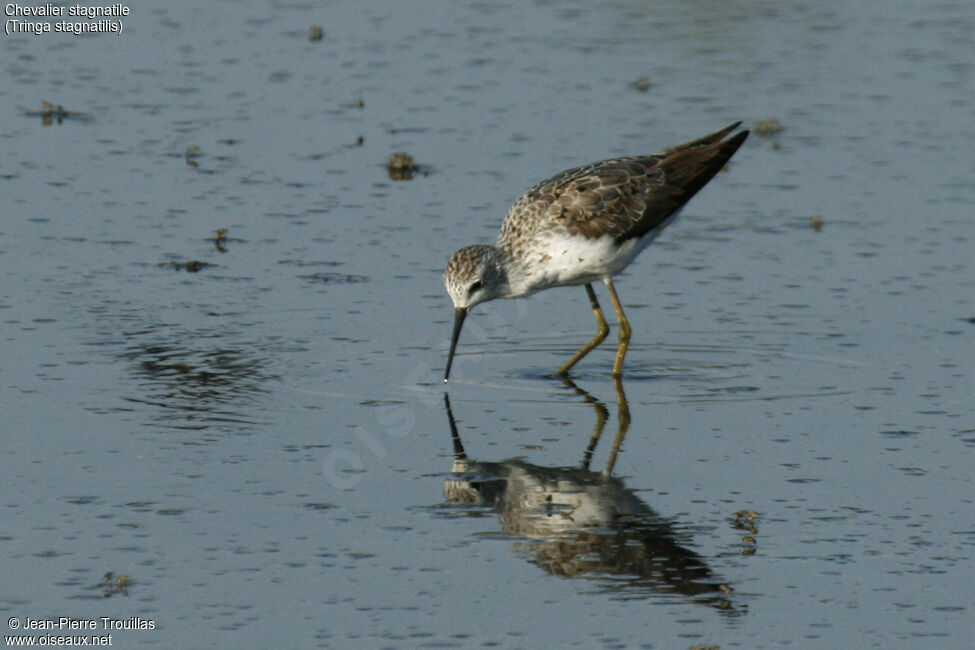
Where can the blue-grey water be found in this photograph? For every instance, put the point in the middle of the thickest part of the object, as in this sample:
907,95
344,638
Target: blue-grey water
248,431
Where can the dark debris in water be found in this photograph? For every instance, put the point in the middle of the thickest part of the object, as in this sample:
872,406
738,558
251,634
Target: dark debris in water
642,84
768,128
191,154
112,585
55,113
744,520
220,239
192,266
401,166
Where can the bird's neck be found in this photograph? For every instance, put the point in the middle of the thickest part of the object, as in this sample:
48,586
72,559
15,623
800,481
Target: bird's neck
499,263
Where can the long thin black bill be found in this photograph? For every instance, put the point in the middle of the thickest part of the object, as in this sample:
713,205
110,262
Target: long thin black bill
459,315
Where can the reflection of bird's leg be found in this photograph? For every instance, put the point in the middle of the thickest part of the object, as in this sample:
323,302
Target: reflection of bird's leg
624,422
602,416
601,332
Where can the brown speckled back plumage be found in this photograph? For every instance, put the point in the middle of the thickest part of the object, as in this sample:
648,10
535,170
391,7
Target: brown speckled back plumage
622,197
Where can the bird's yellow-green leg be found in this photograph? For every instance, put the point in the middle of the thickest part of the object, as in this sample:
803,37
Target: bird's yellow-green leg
601,332
624,330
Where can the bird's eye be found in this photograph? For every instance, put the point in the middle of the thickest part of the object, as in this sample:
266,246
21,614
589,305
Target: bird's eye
474,287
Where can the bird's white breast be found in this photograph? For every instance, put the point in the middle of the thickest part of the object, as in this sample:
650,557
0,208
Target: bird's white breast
565,260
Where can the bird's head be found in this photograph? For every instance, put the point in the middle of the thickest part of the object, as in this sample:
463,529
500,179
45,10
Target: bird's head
474,274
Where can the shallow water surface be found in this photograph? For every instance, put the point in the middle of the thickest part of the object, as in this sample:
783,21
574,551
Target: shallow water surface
223,330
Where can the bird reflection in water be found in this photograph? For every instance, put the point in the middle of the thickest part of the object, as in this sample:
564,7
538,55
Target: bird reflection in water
581,523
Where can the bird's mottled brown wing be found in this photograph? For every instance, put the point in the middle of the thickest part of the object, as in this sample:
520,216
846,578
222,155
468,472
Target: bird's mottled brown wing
622,197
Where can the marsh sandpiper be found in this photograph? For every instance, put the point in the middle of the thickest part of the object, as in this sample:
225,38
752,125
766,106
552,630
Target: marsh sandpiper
583,225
